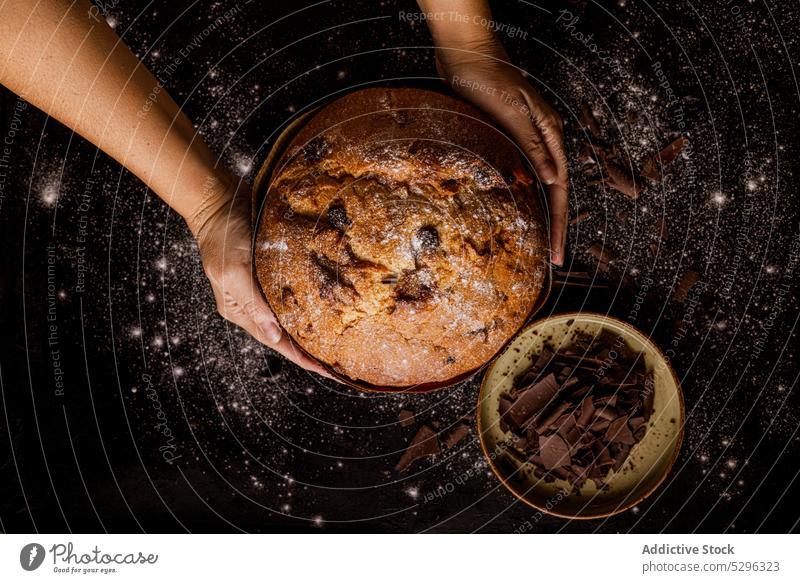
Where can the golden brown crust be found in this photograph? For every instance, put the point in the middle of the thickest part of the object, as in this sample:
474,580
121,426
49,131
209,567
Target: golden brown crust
402,240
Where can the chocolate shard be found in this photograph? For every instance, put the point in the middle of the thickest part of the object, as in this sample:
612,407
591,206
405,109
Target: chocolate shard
686,283
619,432
635,423
581,216
652,165
547,419
424,444
663,233
406,418
555,451
622,180
504,408
648,394
603,256
587,412
455,435
620,456
532,400
589,121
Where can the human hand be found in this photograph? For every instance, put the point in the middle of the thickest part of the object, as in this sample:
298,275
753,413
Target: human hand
223,230
482,73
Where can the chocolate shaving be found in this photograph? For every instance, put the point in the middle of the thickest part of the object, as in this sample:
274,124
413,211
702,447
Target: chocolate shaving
604,256
424,444
532,400
581,216
457,434
406,418
652,165
589,121
620,179
686,283
662,229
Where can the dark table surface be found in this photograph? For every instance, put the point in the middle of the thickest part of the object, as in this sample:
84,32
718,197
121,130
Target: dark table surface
129,405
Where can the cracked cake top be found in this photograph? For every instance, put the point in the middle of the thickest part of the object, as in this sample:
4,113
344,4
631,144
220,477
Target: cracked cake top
403,240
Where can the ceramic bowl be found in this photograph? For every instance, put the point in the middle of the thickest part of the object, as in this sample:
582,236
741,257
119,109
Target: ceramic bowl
650,460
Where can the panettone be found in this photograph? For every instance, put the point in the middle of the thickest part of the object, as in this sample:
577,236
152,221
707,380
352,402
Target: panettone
402,240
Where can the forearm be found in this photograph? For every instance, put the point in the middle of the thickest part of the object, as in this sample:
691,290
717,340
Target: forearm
63,59
460,23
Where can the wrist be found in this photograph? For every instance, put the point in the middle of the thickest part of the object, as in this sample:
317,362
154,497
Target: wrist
214,194
468,52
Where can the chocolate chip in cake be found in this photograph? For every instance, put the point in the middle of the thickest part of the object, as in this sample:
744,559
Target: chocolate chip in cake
415,285
425,239
316,149
337,217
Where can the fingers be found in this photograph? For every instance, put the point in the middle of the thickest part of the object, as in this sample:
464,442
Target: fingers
519,123
550,127
557,198
242,301
283,346
290,351
242,304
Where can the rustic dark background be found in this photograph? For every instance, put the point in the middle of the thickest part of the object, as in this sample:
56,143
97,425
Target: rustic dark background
261,446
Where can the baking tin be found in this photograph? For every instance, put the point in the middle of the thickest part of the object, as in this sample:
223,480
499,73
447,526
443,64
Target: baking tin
261,184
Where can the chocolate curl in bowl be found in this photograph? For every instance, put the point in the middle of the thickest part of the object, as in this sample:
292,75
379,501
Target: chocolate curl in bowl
531,401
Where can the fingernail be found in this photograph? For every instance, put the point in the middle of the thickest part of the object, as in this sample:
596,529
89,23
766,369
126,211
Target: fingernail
272,332
555,257
549,173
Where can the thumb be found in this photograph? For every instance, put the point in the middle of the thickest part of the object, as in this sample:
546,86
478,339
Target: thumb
244,305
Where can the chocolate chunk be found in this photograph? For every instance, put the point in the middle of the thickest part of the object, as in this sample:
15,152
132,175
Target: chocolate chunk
406,418
337,217
686,283
555,451
414,285
425,239
456,434
316,149
652,165
424,444
533,399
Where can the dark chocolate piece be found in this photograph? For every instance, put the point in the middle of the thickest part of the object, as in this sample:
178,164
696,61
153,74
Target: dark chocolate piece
406,418
424,444
456,434
555,451
532,400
